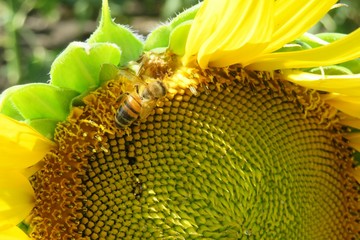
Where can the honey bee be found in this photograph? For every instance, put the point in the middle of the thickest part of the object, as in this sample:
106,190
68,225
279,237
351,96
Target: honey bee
139,103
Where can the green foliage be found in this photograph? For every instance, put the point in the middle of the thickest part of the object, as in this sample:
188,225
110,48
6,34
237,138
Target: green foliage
174,33
177,36
108,31
78,66
40,105
108,72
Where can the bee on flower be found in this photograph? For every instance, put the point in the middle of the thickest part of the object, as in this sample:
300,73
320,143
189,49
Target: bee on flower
139,103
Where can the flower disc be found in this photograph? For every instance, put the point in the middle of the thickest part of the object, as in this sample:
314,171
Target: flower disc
228,160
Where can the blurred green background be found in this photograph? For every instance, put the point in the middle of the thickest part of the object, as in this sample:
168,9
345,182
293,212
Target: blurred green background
34,32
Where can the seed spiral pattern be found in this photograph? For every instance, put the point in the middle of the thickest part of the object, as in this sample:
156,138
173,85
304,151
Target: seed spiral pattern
235,163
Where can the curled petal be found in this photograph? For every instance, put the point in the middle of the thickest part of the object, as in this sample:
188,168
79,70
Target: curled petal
20,145
354,140
333,53
347,104
228,32
293,18
16,199
356,174
350,121
344,84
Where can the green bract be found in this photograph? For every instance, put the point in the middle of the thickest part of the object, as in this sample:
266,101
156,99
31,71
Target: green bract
40,105
108,31
108,72
313,40
74,73
296,45
331,70
78,66
174,33
330,36
177,36
159,38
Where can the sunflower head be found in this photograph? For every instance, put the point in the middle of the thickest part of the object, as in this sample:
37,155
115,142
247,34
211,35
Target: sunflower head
209,129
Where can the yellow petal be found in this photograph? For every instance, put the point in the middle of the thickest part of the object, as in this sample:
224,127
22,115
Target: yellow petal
201,29
342,50
16,198
350,121
356,173
20,145
293,18
347,104
354,140
344,84
13,233
225,32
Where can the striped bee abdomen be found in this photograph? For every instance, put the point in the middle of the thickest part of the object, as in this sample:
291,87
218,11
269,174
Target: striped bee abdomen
128,111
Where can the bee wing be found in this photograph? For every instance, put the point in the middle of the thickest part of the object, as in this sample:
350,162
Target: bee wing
131,81
147,108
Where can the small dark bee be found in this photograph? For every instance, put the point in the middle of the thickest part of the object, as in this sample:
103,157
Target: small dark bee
139,103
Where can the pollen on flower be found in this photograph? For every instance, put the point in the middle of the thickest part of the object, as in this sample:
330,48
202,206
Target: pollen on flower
248,155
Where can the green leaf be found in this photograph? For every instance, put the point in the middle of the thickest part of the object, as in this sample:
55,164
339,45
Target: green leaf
108,31
159,38
330,37
7,107
353,65
312,40
177,29
42,101
44,126
178,38
78,66
296,45
188,14
108,72
40,105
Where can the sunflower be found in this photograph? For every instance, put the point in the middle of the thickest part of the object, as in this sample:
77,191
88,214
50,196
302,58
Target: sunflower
228,122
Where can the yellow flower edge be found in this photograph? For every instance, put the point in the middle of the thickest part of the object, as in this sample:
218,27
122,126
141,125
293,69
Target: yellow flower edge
13,233
16,199
219,37
21,147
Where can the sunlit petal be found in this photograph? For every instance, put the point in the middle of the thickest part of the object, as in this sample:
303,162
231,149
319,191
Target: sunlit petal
347,104
350,121
354,140
293,18
13,233
336,52
202,28
16,198
344,84
224,32
20,145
